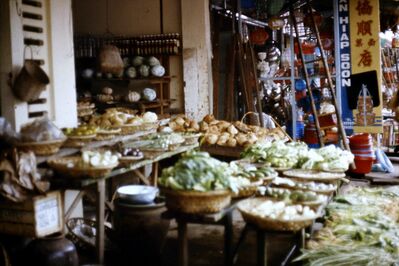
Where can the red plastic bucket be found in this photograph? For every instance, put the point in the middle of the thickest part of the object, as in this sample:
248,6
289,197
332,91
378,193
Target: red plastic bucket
363,165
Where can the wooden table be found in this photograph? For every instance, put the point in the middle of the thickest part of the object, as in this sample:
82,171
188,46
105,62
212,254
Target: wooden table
224,218
80,183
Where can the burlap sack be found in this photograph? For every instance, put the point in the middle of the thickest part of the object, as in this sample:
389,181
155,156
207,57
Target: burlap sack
110,60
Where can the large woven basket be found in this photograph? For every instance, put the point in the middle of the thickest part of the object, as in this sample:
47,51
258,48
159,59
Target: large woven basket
247,191
79,141
328,192
314,175
71,166
267,223
196,201
41,148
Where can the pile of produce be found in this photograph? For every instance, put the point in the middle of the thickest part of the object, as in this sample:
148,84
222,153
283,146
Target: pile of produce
309,186
234,134
361,229
197,171
84,130
278,153
298,155
293,196
181,123
99,159
114,118
163,141
253,172
279,210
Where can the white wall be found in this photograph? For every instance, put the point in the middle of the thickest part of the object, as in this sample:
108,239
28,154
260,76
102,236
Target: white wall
57,53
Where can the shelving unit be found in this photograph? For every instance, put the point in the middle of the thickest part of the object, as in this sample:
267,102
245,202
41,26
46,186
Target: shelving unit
162,46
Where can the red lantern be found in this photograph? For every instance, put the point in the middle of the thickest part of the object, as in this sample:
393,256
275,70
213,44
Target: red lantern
258,36
318,19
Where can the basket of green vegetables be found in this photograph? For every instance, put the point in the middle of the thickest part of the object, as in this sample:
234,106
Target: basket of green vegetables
197,183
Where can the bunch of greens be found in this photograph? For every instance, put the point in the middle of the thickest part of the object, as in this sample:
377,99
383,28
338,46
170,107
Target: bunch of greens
328,158
197,171
298,155
277,154
361,229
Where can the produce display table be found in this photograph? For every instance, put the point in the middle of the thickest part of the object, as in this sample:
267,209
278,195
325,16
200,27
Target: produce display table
224,218
261,238
79,183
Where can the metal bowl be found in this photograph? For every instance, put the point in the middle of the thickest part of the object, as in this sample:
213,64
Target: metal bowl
137,194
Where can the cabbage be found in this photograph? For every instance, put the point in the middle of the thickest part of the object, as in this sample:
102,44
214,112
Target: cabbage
137,61
158,71
144,70
153,61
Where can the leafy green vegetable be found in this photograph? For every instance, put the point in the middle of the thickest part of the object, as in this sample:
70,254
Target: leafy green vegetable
197,171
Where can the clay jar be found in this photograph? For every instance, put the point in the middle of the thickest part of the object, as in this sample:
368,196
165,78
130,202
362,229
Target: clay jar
53,250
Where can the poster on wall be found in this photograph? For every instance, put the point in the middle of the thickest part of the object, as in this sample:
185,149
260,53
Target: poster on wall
360,76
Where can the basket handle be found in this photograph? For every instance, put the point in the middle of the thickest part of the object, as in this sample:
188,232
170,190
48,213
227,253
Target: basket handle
274,121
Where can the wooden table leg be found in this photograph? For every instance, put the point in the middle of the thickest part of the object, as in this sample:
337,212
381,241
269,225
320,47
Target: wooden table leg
261,246
182,243
228,239
100,233
155,174
241,239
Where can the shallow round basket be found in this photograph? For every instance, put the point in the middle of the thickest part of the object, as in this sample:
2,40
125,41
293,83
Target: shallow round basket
127,129
82,232
107,134
78,141
314,175
127,160
196,201
72,167
247,191
267,223
327,192
41,148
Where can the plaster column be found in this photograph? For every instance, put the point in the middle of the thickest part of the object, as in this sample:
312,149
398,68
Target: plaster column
197,56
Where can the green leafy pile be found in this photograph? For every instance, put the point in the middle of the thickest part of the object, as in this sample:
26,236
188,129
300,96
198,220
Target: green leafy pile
277,154
297,155
197,171
361,229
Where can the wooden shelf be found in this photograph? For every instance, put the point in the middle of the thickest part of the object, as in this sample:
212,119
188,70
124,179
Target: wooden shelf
157,79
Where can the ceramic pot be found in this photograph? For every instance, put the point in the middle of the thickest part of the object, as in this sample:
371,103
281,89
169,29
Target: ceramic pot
53,250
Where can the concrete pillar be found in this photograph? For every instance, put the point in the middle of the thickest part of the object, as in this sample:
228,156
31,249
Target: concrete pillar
197,55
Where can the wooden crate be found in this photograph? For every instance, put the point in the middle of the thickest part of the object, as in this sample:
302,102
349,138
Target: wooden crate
38,216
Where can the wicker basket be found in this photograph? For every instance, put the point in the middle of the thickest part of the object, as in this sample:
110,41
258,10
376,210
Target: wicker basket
247,191
196,201
314,175
41,148
323,192
85,241
127,160
63,167
79,141
267,223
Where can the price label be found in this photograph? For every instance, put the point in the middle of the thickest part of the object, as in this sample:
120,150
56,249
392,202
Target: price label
46,215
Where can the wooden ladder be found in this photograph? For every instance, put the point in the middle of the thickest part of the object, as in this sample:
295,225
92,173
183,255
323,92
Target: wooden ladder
313,30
